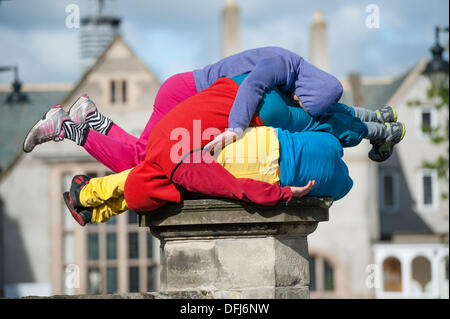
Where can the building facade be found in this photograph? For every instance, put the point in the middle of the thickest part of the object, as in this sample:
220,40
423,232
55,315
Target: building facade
55,255
387,238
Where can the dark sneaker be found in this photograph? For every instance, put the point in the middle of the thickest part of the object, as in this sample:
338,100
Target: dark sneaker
46,129
78,182
382,148
83,216
387,114
81,109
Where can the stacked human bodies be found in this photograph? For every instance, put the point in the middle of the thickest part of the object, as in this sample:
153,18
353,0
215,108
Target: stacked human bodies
263,125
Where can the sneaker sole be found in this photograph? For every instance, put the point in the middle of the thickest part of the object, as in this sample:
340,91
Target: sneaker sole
395,113
403,133
72,210
386,147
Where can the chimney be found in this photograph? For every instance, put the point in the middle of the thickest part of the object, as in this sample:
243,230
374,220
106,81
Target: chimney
97,31
230,29
354,80
318,48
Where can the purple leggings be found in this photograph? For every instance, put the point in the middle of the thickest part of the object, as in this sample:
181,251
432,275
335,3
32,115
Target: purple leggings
119,150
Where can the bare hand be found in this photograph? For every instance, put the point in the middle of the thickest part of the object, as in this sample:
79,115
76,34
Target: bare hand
221,140
295,97
302,191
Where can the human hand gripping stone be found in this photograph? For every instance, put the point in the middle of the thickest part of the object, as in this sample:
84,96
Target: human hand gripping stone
302,191
221,140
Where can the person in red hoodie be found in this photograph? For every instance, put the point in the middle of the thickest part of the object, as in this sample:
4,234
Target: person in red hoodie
151,184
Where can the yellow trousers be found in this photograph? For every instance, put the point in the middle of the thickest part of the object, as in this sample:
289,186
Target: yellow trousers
255,155
106,196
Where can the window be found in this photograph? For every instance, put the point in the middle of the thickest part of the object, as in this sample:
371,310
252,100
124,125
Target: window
113,92
111,280
132,218
427,197
321,274
329,278
134,279
151,275
446,268
93,246
133,245
427,190
94,281
392,275
312,274
389,193
149,245
118,91
124,91
101,268
426,120
111,246
421,274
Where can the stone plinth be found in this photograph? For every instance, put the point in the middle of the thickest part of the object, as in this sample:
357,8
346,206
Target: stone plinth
231,249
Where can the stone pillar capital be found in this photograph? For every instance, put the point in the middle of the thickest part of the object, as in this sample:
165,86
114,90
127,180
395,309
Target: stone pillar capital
221,248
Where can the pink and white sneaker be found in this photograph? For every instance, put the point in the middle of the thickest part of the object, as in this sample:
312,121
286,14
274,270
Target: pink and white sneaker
46,129
81,109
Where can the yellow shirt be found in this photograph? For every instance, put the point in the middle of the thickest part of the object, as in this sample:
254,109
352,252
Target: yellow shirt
255,155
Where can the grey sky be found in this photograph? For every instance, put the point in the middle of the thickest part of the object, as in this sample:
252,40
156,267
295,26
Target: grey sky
175,36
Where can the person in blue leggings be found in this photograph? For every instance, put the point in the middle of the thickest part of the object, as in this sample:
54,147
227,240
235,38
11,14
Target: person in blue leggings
348,124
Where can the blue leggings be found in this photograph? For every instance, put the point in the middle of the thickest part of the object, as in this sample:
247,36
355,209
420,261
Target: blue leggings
278,109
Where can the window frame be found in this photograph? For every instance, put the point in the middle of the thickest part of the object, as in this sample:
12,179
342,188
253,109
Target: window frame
124,90
419,123
421,206
112,92
395,191
318,275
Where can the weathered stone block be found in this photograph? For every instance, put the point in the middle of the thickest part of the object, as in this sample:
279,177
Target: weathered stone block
230,249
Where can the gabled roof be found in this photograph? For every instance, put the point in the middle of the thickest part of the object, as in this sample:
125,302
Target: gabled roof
17,119
117,38
376,95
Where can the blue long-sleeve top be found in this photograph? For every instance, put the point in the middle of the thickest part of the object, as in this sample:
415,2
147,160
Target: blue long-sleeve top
271,67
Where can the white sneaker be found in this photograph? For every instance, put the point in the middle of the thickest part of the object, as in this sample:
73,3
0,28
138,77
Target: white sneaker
46,129
81,109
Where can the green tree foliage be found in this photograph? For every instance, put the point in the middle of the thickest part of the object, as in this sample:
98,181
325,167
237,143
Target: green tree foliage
439,134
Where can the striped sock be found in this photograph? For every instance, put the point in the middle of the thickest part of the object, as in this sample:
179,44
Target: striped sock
75,132
99,122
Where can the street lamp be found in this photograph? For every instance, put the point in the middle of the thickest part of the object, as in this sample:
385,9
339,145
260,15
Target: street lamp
437,68
16,96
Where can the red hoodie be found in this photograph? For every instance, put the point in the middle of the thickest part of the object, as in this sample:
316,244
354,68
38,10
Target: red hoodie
149,186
